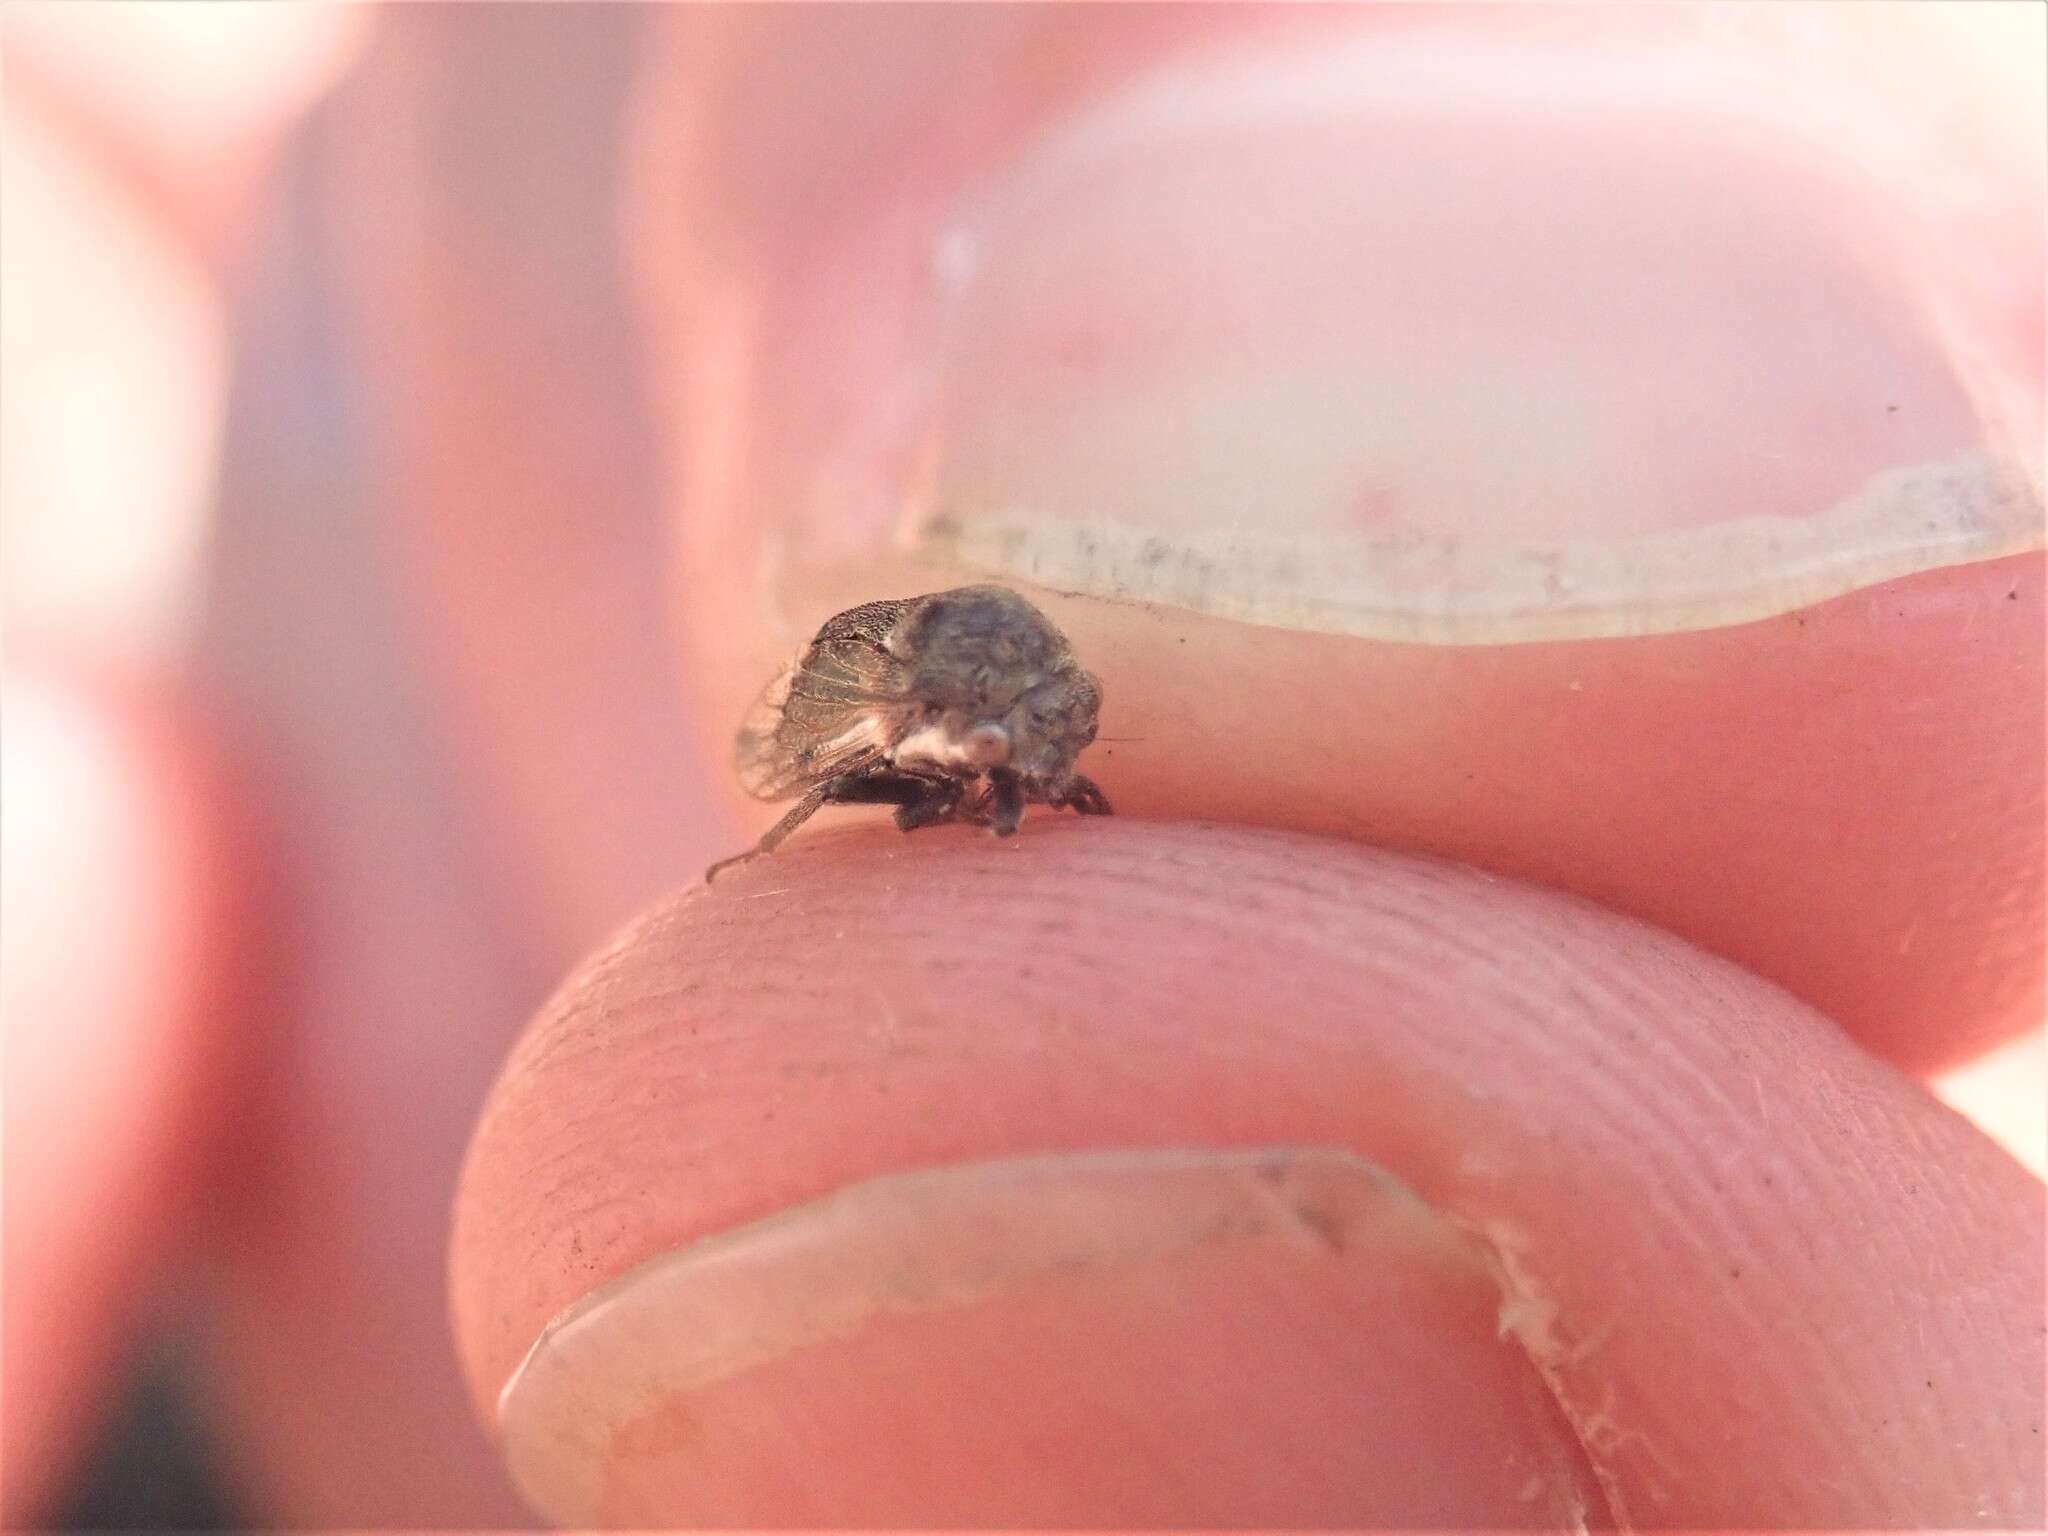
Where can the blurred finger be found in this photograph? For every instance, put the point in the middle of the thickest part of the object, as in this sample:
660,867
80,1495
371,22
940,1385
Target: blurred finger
179,101
112,903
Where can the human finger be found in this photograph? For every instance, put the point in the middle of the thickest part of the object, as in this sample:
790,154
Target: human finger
118,1056
1141,1173
1559,441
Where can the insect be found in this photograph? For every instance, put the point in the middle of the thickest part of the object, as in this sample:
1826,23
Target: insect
961,705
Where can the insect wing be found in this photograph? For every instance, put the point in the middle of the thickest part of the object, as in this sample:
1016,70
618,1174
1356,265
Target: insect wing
832,711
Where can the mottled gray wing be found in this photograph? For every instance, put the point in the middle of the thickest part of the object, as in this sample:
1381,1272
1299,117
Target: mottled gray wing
836,709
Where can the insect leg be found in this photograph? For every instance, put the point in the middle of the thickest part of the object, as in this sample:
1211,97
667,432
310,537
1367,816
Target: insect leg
1085,797
940,802
919,801
799,813
1006,801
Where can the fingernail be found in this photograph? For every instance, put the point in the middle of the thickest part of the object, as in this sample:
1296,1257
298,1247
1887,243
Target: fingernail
1462,339
1186,1337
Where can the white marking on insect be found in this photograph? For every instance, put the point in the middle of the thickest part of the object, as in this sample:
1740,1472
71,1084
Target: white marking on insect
986,746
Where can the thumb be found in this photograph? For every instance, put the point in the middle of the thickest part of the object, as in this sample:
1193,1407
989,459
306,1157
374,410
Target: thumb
1141,1173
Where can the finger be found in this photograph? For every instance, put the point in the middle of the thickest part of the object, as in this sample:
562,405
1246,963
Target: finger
112,902
1135,1173
1541,465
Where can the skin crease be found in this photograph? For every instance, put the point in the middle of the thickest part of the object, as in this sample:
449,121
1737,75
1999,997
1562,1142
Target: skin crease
489,594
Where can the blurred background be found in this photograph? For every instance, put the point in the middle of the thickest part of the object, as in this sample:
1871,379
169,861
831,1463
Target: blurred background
330,495
338,622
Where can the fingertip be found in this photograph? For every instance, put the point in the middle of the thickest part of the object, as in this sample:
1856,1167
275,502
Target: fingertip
1694,566
1653,1153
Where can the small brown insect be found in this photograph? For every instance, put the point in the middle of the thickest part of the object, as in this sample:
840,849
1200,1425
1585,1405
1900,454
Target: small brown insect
962,705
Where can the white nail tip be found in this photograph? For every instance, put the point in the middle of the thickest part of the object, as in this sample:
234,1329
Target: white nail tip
1453,589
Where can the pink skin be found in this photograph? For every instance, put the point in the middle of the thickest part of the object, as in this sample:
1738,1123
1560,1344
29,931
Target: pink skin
135,147
120,1040
1663,1133
417,941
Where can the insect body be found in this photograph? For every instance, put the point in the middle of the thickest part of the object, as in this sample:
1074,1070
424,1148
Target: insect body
965,704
